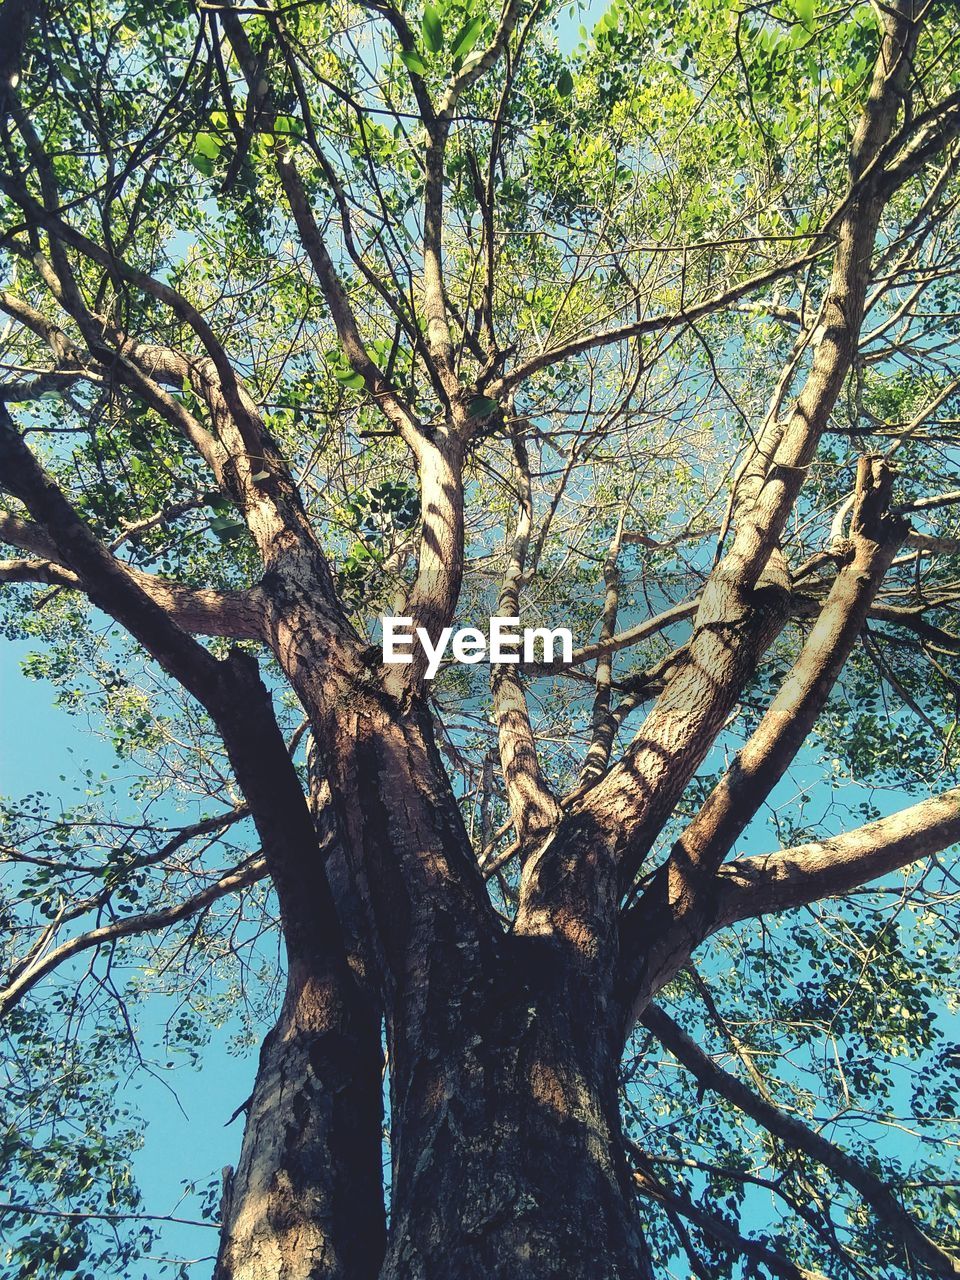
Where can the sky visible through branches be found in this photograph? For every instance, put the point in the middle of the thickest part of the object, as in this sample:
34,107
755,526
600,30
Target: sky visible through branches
849,1004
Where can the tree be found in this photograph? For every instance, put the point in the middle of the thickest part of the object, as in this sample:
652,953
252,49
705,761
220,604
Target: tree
324,313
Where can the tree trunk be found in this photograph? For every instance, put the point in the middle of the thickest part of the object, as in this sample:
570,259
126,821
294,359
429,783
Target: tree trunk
306,1201
507,1151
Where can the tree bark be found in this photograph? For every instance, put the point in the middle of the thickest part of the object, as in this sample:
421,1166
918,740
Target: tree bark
507,1153
508,1159
306,1200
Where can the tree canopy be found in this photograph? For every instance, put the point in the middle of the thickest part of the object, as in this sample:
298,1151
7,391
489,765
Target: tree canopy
641,320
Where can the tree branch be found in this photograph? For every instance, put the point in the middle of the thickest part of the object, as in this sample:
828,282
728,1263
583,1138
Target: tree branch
762,761
384,394
712,1225
770,883
745,602
533,806
795,1134
238,615
230,690
249,872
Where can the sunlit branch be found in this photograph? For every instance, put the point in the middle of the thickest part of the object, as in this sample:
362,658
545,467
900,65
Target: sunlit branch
248,873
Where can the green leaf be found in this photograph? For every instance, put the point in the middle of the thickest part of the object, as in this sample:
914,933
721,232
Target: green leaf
227,527
205,144
480,406
347,378
805,11
203,163
467,37
413,62
432,30
565,83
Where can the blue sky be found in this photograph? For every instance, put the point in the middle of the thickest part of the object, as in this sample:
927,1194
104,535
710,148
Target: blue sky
185,1110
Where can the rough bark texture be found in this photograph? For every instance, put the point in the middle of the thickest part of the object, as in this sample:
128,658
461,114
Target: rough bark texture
306,1199
508,1155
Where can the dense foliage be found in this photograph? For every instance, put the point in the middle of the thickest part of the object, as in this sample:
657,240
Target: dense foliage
639,208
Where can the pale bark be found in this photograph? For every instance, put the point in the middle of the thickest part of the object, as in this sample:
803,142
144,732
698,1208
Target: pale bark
681,898
769,883
533,806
